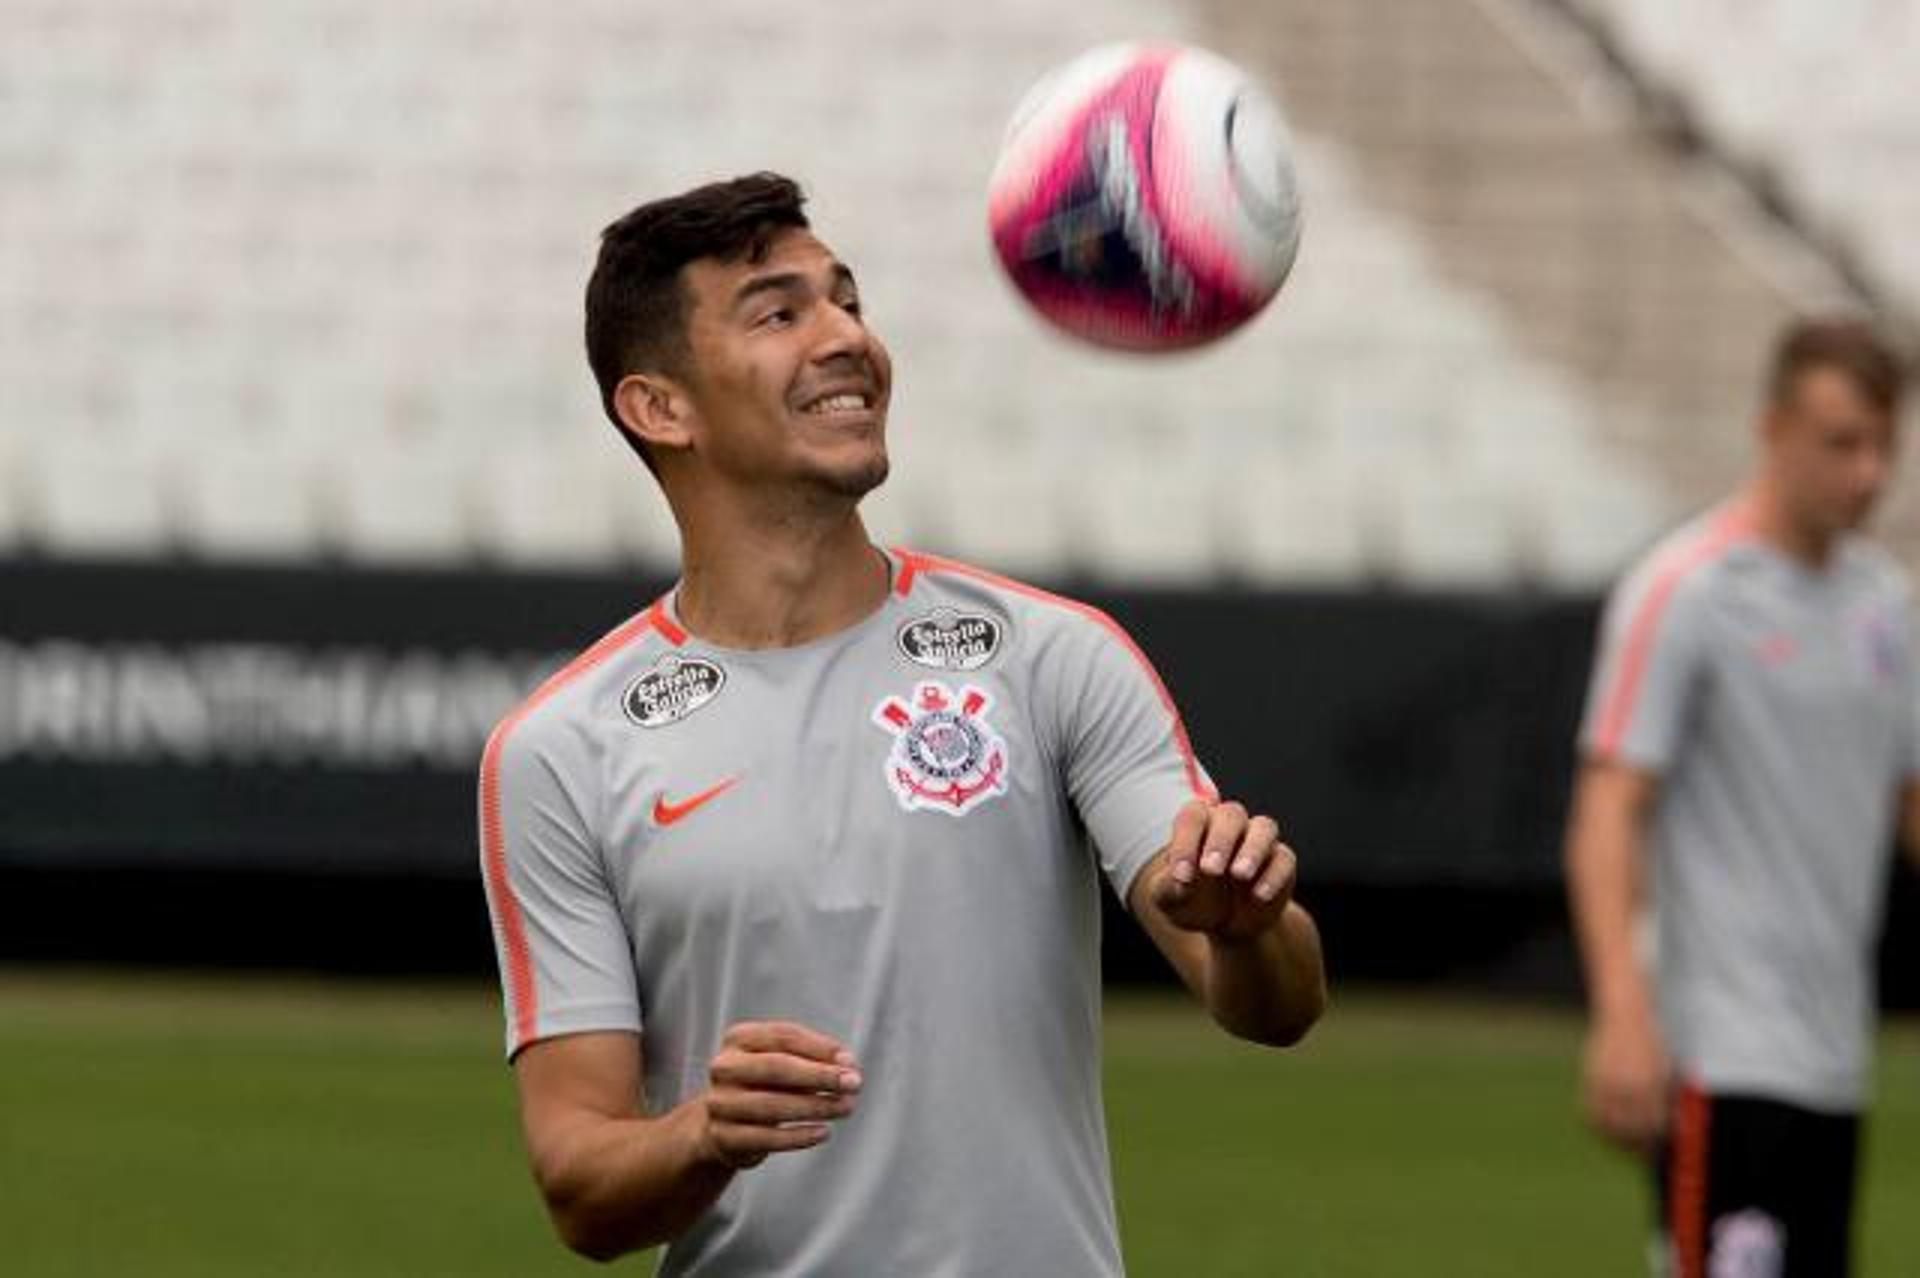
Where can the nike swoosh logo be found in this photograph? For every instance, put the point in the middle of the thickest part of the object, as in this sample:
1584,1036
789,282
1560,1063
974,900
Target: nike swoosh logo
666,813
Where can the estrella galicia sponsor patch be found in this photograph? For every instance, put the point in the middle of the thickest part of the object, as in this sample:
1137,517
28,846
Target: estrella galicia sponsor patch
946,756
948,639
673,688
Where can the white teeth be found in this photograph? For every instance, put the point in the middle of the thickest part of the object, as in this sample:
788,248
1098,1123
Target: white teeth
838,404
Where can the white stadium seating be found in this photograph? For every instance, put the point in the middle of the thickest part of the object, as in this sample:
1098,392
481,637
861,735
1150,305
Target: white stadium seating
250,502
1819,95
1300,523
13,488
96,495
295,280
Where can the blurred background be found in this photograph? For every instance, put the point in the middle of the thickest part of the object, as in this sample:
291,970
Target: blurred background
303,483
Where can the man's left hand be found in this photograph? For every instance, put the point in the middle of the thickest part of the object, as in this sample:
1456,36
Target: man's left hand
1223,873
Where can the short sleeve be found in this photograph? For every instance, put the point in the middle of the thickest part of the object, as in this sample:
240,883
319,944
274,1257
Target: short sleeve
1646,671
1129,765
566,965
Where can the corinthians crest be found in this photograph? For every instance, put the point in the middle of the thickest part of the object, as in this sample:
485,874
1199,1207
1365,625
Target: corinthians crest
945,755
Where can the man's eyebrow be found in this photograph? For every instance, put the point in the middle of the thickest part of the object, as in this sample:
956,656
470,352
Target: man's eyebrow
784,281
776,282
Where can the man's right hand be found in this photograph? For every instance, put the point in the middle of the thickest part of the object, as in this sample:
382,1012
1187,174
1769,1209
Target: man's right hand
774,1086
1627,1080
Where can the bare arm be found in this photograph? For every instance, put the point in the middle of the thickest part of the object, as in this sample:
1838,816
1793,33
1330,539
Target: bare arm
617,1179
1218,901
1625,1068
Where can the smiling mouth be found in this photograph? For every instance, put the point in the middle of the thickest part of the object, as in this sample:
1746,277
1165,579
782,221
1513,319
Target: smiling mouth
841,402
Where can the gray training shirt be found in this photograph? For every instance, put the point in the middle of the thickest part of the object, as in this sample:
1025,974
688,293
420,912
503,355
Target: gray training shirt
1777,702
880,834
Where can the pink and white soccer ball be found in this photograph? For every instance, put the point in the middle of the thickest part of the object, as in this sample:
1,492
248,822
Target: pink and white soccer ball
1145,197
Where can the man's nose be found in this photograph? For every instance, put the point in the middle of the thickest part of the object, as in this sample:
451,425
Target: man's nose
841,335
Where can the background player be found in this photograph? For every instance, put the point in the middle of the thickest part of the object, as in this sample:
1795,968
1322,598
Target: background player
801,851
1749,737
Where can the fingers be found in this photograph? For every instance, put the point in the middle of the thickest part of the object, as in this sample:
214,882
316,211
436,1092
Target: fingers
1624,1120
1226,827
1246,849
1207,837
1226,873
1222,840
1255,849
786,1036
772,1109
743,1145
1627,1085
775,1086
783,1056
747,1144
1276,876
1183,847
779,1071
1634,1118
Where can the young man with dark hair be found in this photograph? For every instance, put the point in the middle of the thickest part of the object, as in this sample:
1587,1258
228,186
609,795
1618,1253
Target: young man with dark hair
795,875
1750,743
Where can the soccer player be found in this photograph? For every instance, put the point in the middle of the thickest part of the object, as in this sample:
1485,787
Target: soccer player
1749,742
795,875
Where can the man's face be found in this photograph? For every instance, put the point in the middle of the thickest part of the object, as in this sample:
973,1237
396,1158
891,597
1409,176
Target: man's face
1831,451
786,381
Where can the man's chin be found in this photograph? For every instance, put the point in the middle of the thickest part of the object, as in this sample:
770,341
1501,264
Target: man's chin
855,482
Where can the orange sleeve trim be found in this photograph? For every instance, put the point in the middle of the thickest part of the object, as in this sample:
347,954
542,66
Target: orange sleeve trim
914,562
909,568
1618,705
509,923
669,629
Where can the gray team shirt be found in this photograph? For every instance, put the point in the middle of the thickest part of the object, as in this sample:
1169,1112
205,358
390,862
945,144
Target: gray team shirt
882,834
1777,702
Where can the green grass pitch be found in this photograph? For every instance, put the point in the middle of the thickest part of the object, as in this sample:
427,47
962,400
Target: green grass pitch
207,1127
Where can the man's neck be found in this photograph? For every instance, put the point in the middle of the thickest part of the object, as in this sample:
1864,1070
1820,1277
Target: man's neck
1776,526
778,583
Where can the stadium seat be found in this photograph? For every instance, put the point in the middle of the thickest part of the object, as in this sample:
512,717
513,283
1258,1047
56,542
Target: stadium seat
97,496
1807,92
911,508
1583,534
13,495
547,505
1151,520
406,504
1005,508
373,257
250,503
1451,531
1309,525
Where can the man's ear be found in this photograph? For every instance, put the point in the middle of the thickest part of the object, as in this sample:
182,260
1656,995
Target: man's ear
655,410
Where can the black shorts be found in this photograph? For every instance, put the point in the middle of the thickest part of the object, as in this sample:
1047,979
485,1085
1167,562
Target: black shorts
1756,1188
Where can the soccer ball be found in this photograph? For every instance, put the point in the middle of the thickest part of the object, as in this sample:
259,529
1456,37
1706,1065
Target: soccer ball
1145,197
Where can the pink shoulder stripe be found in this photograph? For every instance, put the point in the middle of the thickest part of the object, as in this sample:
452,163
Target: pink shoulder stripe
1672,568
913,563
522,997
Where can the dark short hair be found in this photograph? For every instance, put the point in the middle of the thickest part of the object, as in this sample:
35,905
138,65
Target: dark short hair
636,301
1848,345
